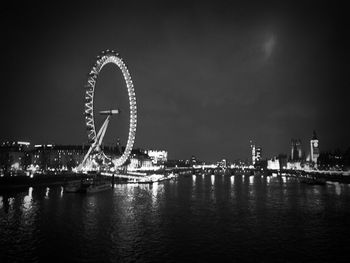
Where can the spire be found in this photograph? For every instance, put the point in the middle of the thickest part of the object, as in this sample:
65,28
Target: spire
314,136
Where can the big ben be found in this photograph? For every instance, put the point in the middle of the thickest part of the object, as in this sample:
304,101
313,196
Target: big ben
315,150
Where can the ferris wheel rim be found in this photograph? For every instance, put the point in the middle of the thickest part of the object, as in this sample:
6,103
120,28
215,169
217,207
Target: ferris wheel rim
105,58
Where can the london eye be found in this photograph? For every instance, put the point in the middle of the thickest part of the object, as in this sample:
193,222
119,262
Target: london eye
95,138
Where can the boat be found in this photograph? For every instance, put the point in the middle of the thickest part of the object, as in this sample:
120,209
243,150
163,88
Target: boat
312,180
98,186
73,187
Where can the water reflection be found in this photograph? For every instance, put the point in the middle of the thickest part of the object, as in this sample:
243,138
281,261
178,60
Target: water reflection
27,200
284,179
337,189
47,193
156,222
154,189
212,179
268,179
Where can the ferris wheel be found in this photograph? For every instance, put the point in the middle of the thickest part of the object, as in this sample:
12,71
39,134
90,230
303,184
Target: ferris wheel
95,138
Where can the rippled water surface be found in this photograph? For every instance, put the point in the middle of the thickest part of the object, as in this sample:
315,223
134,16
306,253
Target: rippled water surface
196,218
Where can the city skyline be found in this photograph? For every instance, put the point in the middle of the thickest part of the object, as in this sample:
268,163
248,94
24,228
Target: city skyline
209,77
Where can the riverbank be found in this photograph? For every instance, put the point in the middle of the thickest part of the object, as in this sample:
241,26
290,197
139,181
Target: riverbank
37,180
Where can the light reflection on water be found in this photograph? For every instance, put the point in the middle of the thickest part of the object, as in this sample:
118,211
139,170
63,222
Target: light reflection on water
27,200
232,178
212,179
200,216
47,192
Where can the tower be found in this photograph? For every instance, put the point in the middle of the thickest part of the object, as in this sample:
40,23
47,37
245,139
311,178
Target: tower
258,151
252,147
296,152
118,147
314,148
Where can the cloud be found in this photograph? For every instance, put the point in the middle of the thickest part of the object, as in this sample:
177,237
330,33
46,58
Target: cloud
269,46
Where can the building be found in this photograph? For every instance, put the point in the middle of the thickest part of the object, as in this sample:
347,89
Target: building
57,157
314,148
140,160
256,153
282,158
14,156
273,164
296,151
157,156
223,163
252,148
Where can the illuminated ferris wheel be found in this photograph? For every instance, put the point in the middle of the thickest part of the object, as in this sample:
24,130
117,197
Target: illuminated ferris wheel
95,138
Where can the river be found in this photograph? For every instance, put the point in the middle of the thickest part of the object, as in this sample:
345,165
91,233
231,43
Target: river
197,218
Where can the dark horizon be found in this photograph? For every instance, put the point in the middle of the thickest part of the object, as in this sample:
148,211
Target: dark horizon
209,76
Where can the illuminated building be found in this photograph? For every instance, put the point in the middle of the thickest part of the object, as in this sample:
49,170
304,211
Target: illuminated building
273,164
14,155
295,165
140,162
252,147
314,148
157,156
256,153
222,163
58,157
296,152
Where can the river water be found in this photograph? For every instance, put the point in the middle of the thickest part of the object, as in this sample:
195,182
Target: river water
197,218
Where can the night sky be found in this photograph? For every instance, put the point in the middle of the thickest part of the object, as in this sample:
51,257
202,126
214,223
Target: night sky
209,76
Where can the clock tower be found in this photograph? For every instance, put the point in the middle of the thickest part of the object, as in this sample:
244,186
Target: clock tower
315,150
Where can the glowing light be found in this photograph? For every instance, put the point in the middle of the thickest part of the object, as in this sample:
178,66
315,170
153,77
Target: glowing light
47,193
232,180
212,177
337,188
15,166
284,179
251,179
23,143
268,179
27,201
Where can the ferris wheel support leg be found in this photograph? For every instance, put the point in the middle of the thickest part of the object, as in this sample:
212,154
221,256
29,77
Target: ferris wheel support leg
101,133
103,130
